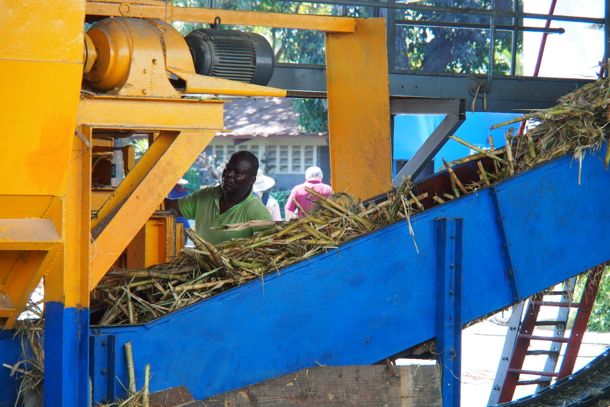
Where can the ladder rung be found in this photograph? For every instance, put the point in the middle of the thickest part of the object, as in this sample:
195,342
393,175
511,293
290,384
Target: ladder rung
544,338
557,304
533,372
551,323
536,381
542,352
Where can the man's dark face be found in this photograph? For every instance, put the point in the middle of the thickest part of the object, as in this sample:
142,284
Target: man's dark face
238,177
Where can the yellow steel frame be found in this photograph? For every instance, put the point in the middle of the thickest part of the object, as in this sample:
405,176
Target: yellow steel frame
45,226
357,83
160,240
168,12
40,78
359,110
139,194
67,280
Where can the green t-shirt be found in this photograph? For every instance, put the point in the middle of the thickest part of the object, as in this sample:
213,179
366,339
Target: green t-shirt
204,207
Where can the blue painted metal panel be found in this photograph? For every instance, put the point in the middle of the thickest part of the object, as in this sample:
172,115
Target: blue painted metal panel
9,354
102,358
66,349
448,308
375,296
561,235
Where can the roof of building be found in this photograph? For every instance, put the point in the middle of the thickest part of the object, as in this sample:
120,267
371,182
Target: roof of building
263,117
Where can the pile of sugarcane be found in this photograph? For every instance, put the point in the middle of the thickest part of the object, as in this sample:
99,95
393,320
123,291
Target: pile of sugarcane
135,296
576,124
30,367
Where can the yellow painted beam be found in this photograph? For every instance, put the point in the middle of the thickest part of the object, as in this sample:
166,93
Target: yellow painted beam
208,84
167,12
131,181
28,234
67,278
40,77
359,109
27,283
146,196
150,114
22,279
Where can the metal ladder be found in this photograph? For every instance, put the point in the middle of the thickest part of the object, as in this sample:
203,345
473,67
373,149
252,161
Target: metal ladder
521,332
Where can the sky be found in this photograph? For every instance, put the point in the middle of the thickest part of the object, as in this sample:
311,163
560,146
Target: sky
574,54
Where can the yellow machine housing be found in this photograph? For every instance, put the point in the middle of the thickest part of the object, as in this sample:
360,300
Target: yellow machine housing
137,69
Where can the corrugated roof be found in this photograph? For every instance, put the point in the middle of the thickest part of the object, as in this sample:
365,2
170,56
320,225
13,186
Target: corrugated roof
263,117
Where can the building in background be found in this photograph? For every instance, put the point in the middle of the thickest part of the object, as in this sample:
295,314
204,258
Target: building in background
269,128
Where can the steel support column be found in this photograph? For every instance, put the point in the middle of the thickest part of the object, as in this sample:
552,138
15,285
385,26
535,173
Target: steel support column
359,109
449,304
66,330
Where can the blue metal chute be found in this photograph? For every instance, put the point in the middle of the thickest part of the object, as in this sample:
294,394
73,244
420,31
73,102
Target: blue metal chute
375,296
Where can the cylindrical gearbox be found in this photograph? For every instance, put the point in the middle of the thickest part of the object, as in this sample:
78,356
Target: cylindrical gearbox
229,54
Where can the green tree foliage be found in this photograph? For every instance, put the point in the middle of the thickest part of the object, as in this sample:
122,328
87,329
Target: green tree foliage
417,48
452,50
599,321
313,116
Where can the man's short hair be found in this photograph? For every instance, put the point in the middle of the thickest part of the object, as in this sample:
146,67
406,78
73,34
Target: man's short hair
248,156
314,173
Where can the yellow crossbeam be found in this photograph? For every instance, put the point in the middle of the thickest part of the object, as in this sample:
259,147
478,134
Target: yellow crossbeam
127,219
28,234
106,112
168,12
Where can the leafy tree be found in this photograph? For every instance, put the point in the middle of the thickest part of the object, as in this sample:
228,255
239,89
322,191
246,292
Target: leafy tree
453,50
599,321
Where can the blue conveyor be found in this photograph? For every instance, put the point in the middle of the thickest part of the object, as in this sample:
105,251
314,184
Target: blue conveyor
376,295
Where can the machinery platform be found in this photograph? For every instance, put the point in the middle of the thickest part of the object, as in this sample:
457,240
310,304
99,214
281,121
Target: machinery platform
375,296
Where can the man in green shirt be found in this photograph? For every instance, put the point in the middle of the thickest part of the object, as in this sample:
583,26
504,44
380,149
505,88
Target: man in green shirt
230,202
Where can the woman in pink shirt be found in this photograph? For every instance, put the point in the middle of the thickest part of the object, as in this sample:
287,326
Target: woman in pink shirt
300,202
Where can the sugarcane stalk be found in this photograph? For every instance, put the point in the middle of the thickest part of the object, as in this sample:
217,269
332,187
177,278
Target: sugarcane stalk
454,179
145,390
509,151
483,173
486,153
130,368
199,286
416,199
531,146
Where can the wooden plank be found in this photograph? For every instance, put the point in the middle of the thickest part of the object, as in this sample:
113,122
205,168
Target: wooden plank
375,385
175,396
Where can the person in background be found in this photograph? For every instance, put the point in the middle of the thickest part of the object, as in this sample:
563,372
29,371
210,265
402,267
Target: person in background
261,188
177,192
300,202
230,202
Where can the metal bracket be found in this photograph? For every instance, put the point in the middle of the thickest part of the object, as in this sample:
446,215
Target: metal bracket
449,307
454,109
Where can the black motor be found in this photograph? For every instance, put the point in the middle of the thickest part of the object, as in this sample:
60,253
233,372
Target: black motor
229,54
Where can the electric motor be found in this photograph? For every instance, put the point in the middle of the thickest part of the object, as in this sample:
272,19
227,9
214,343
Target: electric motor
229,54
